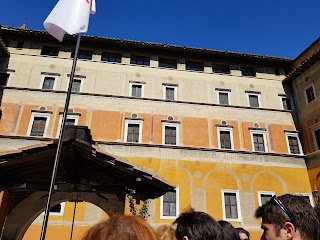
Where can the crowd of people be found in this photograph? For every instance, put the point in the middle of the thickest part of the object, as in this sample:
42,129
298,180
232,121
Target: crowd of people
288,217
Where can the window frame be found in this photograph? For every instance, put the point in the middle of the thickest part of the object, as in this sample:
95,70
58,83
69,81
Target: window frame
293,134
265,193
247,68
264,133
52,47
61,213
314,138
145,60
223,191
38,114
223,91
226,129
81,84
254,94
165,86
290,101
309,195
111,55
43,76
133,121
177,206
170,124
69,116
168,63
136,83
314,93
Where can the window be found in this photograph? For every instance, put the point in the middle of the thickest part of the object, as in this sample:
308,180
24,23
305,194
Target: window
231,205
76,85
133,131
195,66
71,120
167,63
307,196
136,89
264,197
248,71
219,68
85,54
277,71
259,141
170,133
111,57
254,99
48,82
310,94
57,210
223,96
293,143
38,124
140,60
169,92
169,205
4,77
317,138
225,138
20,44
50,51
286,103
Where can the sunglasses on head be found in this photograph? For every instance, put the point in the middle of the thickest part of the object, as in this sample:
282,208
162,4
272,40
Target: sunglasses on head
277,201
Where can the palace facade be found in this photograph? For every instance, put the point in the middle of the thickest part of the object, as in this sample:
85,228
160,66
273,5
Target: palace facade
223,127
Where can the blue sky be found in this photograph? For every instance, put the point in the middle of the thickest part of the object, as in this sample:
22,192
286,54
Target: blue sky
281,28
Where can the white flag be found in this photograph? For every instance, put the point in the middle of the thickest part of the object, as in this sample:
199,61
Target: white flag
71,16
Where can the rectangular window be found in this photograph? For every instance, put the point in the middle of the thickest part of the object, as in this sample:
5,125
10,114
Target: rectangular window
194,66
76,85
310,95
293,142
308,197
48,82
136,90
170,93
57,210
111,57
169,205
4,77
264,197
254,100
248,71
219,68
133,130
170,133
167,63
50,51
85,54
20,44
140,60
225,139
38,124
317,139
223,98
71,120
286,103
231,205
258,141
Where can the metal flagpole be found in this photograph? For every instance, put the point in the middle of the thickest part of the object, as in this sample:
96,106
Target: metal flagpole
57,157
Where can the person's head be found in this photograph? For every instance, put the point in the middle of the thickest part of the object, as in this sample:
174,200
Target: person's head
229,232
194,225
288,217
243,234
122,227
165,232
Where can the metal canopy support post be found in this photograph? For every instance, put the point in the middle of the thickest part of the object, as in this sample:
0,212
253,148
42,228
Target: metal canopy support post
57,157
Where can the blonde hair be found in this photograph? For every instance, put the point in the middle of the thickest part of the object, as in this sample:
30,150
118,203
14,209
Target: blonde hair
165,232
121,227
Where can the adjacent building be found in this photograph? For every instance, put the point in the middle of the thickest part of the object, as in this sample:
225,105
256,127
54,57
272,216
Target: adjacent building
220,126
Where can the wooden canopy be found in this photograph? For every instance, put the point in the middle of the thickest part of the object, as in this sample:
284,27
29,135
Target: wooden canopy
82,168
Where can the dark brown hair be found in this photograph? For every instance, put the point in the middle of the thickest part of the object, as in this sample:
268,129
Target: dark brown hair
121,227
305,216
